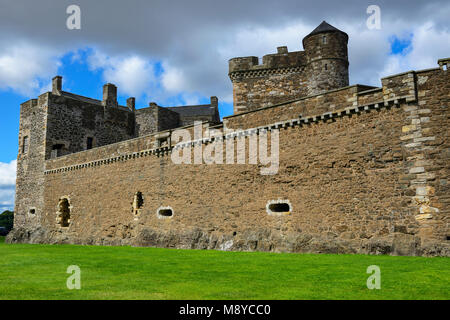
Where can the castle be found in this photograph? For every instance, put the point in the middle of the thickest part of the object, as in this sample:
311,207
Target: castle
362,169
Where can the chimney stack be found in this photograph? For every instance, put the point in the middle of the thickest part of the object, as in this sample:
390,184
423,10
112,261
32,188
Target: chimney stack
214,101
109,95
57,85
131,104
215,105
282,49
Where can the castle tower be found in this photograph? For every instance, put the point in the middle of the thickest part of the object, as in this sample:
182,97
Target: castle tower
279,78
326,58
31,163
285,76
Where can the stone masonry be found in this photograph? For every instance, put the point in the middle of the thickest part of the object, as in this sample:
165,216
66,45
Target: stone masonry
289,75
361,169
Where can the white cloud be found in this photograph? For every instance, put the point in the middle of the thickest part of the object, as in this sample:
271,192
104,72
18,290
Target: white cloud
8,173
134,75
7,199
7,184
428,44
24,66
173,79
260,41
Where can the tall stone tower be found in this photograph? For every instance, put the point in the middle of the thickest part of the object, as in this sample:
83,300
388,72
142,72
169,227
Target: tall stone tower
326,58
285,75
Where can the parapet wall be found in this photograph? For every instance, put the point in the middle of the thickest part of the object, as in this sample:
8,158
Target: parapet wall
280,77
282,59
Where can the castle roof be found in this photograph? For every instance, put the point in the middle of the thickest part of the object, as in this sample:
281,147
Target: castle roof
199,110
324,27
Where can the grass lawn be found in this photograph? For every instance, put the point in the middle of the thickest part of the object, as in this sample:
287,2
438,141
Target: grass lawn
39,272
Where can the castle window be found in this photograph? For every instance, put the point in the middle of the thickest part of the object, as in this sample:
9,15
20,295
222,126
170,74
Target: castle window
63,214
278,207
89,143
25,145
32,211
138,202
163,142
326,66
56,150
324,39
164,212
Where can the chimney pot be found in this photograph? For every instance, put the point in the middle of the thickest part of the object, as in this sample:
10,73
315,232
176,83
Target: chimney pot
131,103
282,49
214,101
57,85
109,95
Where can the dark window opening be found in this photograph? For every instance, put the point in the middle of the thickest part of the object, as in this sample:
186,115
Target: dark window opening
25,145
326,66
138,202
89,143
163,142
279,207
32,211
324,39
56,150
64,212
448,238
165,212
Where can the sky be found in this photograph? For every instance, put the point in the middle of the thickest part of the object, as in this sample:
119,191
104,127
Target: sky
176,52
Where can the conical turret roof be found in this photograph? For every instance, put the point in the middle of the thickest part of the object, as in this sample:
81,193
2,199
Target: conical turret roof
324,27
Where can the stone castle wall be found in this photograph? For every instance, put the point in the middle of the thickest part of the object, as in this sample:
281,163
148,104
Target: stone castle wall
281,77
70,122
286,76
364,170
327,61
154,119
31,167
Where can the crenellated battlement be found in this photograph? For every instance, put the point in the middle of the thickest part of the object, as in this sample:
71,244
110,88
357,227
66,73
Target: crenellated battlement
284,75
280,60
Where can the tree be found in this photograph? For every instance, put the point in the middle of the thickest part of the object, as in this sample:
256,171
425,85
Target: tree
7,220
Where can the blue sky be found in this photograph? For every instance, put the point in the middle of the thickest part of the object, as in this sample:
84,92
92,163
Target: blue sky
177,53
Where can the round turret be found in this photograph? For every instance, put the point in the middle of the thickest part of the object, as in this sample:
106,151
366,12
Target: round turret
327,59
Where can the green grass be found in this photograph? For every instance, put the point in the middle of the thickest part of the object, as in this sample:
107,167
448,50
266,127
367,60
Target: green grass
39,272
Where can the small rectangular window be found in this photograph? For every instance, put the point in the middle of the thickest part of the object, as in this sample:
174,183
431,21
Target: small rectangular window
25,145
89,143
56,150
324,39
163,142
